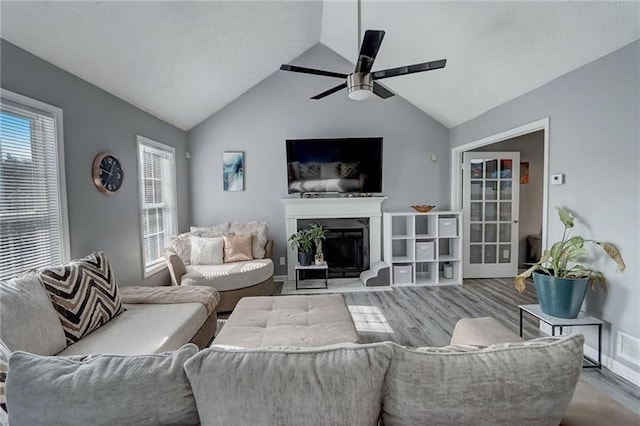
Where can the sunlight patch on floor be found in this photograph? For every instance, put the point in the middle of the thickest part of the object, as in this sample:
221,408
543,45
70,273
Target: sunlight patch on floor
369,319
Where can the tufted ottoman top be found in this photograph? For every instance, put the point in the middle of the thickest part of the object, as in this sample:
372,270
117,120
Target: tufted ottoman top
306,321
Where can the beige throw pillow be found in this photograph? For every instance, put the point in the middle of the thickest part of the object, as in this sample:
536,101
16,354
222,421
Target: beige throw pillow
207,251
237,248
259,232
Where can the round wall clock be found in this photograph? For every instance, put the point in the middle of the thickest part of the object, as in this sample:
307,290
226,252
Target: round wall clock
107,173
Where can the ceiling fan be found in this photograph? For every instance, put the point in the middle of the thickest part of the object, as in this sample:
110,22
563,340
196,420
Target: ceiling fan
362,83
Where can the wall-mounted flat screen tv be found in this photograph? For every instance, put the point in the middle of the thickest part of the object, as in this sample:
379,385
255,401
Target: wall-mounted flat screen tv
334,165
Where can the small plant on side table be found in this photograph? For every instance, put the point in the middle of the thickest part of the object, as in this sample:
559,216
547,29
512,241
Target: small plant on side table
302,242
317,234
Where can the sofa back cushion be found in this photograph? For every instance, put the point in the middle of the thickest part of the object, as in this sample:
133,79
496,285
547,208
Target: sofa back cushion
527,383
339,384
28,321
100,389
258,231
84,293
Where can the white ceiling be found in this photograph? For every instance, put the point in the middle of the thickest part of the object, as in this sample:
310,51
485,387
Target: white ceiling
183,61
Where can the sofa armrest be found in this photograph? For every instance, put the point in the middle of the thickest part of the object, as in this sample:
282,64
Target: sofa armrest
176,267
268,249
483,332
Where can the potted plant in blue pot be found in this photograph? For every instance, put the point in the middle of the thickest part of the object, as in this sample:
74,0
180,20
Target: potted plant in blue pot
560,281
303,243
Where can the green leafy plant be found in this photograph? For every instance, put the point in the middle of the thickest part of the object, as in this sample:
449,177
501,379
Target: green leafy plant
301,240
317,233
562,260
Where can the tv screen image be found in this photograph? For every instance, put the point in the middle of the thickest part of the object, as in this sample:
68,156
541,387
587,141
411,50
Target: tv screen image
334,165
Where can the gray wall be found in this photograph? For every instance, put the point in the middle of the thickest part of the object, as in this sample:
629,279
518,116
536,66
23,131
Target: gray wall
593,139
279,108
531,149
96,121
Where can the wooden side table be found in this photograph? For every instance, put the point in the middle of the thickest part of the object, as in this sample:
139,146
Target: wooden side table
582,321
324,267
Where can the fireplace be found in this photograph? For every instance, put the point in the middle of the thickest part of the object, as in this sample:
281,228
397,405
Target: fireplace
346,248
351,216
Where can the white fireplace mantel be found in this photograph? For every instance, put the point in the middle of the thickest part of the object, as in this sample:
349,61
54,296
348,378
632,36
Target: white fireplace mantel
339,207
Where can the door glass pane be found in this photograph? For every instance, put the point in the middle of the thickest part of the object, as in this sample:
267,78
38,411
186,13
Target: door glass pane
476,169
505,253
476,233
476,212
491,169
491,190
476,253
489,254
491,232
505,190
506,169
476,190
491,211
505,232
505,211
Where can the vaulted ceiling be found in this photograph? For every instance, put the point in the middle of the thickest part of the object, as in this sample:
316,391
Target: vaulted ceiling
183,61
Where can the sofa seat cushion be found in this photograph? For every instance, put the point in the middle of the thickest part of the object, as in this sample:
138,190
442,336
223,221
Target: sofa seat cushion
229,276
335,385
304,321
526,383
28,321
144,329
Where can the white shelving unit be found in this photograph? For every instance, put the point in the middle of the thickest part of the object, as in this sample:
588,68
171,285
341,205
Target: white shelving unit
408,238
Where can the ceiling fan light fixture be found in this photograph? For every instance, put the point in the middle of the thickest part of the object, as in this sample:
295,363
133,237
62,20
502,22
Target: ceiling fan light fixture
359,86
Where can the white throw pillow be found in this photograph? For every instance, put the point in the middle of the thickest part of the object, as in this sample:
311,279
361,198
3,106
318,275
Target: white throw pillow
207,251
329,171
210,231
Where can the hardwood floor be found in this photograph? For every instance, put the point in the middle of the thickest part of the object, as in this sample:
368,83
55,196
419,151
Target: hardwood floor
425,316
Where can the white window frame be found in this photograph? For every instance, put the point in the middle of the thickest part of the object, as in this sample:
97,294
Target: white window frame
56,112
159,264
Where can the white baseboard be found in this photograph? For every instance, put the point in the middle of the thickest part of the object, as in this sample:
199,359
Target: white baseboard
280,278
608,362
614,366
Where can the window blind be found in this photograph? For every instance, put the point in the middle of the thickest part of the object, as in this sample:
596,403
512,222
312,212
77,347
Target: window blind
32,233
157,195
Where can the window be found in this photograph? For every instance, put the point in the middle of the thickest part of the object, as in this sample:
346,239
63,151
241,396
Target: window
33,207
157,200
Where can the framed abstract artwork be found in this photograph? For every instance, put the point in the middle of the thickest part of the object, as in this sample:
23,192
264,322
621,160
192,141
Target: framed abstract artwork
233,171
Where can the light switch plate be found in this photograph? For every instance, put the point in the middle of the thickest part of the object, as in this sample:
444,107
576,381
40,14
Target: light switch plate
557,179
282,261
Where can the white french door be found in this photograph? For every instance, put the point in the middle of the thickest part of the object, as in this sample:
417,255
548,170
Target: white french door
491,197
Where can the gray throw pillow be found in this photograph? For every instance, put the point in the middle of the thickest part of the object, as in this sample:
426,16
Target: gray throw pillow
333,385
100,389
528,383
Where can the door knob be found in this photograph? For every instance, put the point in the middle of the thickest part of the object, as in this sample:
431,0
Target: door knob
515,220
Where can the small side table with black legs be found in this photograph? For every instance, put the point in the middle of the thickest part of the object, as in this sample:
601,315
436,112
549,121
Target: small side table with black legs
324,268
555,322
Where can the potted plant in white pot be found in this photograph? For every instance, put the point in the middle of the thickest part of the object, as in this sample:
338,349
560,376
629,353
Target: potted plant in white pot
560,281
302,242
317,234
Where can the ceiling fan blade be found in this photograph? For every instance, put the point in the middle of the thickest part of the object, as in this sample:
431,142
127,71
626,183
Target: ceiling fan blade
330,91
382,91
409,69
293,68
369,49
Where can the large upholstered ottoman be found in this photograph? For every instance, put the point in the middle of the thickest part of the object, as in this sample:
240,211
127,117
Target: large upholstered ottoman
307,321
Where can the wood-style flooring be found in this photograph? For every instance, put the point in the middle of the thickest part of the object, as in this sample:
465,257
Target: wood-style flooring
426,316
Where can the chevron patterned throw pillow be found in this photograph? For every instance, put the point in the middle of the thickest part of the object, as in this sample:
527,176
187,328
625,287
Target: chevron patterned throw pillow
84,293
